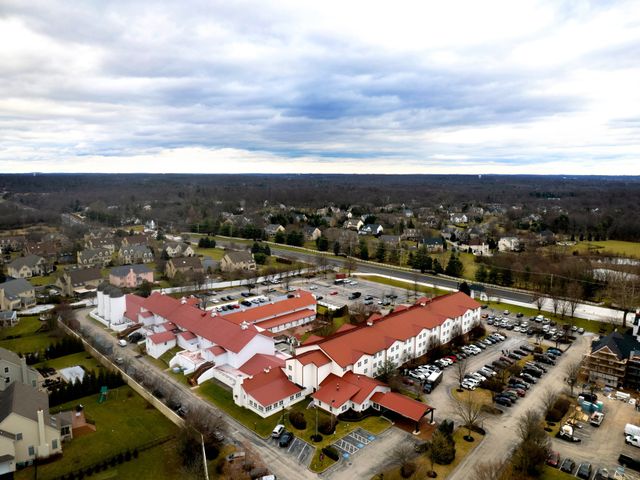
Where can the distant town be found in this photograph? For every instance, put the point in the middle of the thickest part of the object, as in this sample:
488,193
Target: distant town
254,338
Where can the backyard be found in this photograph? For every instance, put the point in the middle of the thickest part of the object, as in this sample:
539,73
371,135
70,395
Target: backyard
124,421
26,336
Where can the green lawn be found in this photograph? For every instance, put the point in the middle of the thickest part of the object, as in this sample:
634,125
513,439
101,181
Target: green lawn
124,421
374,424
402,284
29,343
82,358
223,399
214,253
549,473
25,326
627,249
43,280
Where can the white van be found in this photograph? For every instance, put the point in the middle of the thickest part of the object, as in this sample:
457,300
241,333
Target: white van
630,429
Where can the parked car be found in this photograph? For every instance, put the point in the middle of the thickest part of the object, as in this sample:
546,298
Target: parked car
285,439
627,461
601,474
504,401
553,460
277,431
584,471
568,466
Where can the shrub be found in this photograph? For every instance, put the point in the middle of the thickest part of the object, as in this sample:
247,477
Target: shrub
325,426
220,466
331,452
127,456
562,404
316,438
407,469
554,415
537,349
298,420
135,453
444,449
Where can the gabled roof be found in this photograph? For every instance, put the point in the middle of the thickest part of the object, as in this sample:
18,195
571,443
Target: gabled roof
23,400
186,262
162,337
9,356
239,256
350,387
13,288
312,339
80,276
345,348
186,335
401,404
270,387
124,270
267,311
259,362
317,357
620,345
27,261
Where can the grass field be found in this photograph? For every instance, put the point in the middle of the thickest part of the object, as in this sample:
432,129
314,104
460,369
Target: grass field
463,448
29,343
549,473
616,247
404,285
82,358
214,253
124,421
26,326
43,280
223,399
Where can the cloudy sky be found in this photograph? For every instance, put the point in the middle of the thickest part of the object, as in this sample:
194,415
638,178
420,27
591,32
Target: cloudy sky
325,86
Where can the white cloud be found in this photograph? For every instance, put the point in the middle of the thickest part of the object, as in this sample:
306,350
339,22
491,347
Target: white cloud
460,87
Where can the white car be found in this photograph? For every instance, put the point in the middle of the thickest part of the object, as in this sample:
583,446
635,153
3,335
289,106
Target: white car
479,377
469,386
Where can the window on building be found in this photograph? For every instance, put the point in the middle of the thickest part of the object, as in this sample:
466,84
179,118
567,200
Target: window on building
54,444
18,436
6,369
7,380
289,367
32,451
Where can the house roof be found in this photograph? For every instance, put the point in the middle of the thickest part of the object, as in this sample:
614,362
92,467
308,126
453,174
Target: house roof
27,261
259,362
92,252
13,288
23,400
236,256
8,314
186,263
267,311
124,270
349,387
620,345
345,348
312,339
133,303
162,337
216,350
270,387
9,356
187,335
287,318
317,357
401,404
80,276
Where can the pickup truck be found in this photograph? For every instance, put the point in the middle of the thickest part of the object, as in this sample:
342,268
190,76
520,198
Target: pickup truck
632,440
596,419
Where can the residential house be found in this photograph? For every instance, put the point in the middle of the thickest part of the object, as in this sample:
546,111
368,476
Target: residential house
311,234
476,247
348,239
606,363
94,257
108,243
187,266
509,244
237,260
13,243
28,430
14,369
273,228
433,244
458,218
135,254
177,249
27,267
130,276
209,264
546,237
8,318
16,295
390,240
353,224
76,281
411,234
371,229
52,251
137,240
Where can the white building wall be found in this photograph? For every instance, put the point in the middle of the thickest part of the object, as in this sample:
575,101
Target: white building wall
258,344
100,299
118,307
157,350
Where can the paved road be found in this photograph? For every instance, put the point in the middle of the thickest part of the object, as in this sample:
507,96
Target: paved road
501,434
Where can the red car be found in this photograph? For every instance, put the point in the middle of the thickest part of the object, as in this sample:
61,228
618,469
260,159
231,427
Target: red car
407,381
452,358
553,460
335,292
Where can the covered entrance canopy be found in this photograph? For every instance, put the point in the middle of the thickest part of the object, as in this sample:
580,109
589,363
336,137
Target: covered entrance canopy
402,405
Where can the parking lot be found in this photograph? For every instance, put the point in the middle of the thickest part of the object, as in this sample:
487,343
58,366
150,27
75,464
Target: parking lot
354,442
298,449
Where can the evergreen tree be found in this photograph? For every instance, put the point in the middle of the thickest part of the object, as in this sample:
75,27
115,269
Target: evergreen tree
454,266
336,248
322,243
364,250
381,252
481,273
437,268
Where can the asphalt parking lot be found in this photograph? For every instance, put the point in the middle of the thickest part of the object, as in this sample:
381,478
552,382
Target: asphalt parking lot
354,442
298,449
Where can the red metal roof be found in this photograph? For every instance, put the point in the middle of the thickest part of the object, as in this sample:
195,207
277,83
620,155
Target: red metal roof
162,337
259,362
345,327
290,317
350,386
317,357
132,305
405,406
269,311
312,339
216,350
347,347
269,388
187,335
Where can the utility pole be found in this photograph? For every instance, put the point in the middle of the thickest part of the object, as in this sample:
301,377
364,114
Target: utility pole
204,458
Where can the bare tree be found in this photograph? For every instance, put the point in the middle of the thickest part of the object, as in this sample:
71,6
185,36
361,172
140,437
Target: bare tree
532,451
572,370
403,454
470,411
360,312
574,295
538,299
490,470
461,370
624,291
350,265
548,399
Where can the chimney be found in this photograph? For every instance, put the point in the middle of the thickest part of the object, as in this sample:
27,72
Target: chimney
337,386
41,437
24,370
